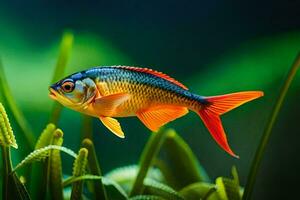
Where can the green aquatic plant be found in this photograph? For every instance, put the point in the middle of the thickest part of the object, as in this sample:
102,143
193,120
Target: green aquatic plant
147,179
229,189
268,130
155,177
150,151
12,187
79,169
6,95
160,189
41,170
179,158
64,54
7,137
94,168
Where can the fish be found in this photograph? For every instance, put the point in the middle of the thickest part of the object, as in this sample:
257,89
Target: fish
111,92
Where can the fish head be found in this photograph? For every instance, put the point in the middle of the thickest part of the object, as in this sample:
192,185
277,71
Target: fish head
75,91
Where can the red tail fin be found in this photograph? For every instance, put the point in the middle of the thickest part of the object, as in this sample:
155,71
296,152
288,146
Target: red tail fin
218,105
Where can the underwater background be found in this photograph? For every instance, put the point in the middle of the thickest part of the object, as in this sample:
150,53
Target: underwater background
213,47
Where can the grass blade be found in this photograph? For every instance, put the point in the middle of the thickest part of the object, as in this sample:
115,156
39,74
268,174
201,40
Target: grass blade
46,136
126,175
228,189
87,127
180,158
64,54
147,197
55,167
79,169
7,137
7,169
39,171
73,179
43,153
150,151
16,112
153,187
268,130
199,190
12,187
94,167
115,190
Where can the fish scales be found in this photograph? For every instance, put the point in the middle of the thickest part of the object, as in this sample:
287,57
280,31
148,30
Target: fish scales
146,90
153,97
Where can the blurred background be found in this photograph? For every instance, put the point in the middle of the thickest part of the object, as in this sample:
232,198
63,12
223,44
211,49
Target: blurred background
213,47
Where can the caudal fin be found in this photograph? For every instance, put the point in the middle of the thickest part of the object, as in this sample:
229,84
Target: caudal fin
218,105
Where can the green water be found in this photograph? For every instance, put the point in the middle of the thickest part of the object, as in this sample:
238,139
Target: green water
214,48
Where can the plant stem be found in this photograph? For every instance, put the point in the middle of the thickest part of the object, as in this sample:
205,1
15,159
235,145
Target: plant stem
79,168
150,151
7,169
268,130
55,168
17,113
99,189
87,127
64,54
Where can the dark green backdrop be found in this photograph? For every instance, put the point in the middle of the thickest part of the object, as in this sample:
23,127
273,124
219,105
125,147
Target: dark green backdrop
213,47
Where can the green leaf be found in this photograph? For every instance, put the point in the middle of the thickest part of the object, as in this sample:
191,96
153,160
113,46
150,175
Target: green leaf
199,190
87,127
268,130
150,151
125,176
79,169
229,189
73,179
147,197
55,167
17,190
7,137
42,153
12,187
64,54
16,112
46,136
180,158
153,187
114,190
235,175
94,167
40,171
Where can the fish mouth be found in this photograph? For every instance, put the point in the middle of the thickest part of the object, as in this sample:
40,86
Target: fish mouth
52,94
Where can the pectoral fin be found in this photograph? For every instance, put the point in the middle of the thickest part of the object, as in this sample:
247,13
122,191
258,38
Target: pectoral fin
113,125
156,117
107,105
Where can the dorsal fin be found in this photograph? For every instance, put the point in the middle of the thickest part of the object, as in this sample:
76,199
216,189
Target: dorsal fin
155,73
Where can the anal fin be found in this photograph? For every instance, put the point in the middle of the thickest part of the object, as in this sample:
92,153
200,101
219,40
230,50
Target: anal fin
155,117
113,125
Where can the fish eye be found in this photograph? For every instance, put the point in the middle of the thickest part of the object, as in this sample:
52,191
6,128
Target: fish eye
68,86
